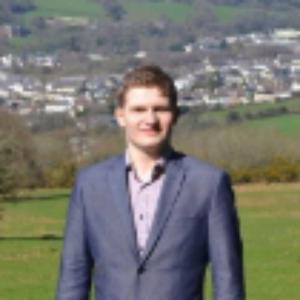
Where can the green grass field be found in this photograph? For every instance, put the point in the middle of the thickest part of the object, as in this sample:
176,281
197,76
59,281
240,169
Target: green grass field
136,10
291,104
287,124
229,12
31,230
150,10
83,8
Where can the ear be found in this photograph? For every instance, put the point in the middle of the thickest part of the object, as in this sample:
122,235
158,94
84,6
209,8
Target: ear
119,115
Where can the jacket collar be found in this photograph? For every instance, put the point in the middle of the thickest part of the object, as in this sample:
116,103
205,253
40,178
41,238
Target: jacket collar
175,174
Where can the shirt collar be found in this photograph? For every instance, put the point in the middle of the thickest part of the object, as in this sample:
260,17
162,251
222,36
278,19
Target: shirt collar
157,171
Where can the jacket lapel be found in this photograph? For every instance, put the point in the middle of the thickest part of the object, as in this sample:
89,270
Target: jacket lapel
175,174
118,182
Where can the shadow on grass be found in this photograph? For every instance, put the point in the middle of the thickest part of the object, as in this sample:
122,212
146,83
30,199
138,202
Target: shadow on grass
37,197
44,237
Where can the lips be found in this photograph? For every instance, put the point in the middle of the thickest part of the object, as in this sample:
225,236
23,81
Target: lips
149,132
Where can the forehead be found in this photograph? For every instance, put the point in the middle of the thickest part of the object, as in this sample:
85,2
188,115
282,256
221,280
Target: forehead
145,95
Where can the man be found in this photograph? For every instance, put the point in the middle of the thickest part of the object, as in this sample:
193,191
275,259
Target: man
145,224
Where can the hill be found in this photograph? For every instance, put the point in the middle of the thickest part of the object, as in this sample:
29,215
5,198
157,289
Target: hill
103,10
282,116
163,24
176,10
286,124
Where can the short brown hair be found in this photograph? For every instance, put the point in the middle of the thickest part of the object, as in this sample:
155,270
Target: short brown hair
148,76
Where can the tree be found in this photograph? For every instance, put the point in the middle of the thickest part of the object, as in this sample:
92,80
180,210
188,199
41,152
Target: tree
55,158
114,9
233,116
22,6
5,13
17,152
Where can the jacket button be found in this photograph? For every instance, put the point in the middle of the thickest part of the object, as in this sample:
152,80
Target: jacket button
141,270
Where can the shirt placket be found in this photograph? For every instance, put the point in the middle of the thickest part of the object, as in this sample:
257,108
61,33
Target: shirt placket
142,216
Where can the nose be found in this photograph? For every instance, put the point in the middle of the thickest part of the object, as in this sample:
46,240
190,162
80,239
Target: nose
151,116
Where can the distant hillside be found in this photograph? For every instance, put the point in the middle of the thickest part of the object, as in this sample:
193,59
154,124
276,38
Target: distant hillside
176,10
104,9
292,3
139,24
283,116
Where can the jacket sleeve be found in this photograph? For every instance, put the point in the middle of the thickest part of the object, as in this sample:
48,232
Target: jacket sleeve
76,263
225,245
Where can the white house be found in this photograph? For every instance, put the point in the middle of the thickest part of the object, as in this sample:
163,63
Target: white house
58,107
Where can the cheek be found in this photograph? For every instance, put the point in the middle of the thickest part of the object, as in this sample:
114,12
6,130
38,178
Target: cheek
131,127
168,122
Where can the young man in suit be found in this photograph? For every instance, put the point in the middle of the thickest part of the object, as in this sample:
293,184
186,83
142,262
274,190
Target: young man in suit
144,225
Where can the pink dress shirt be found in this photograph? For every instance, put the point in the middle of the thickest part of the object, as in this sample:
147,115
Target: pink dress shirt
144,198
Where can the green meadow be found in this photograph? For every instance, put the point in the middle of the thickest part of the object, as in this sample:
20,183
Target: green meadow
220,115
229,12
31,231
75,8
285,123
136,10
148,10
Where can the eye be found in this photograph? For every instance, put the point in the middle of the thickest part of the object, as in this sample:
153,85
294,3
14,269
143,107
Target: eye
162,109
138,109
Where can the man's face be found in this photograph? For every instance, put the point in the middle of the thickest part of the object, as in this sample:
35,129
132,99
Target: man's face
147,118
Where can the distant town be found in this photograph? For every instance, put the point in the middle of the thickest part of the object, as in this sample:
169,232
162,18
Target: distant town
269,72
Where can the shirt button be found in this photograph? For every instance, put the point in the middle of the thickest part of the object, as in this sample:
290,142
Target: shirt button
141,217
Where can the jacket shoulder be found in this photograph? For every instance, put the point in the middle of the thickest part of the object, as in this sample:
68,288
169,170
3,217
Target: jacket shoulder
198,169
196,165
99,169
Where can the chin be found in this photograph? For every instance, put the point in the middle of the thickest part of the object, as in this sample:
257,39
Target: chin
152,147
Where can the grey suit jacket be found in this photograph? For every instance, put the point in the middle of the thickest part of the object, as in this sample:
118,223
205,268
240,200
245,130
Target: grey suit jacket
195,223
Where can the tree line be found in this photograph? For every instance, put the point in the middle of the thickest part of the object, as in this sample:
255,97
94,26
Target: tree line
50,159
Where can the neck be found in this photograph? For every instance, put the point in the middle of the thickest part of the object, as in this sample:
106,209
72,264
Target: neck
144,161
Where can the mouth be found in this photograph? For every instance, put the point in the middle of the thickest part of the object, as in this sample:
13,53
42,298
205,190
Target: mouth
150,132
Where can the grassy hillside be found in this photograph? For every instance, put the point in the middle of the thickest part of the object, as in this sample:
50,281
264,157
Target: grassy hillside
288,123
291,104
221,18
85,8
92,9
148,10
31,230
139,9
136,10
228,12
